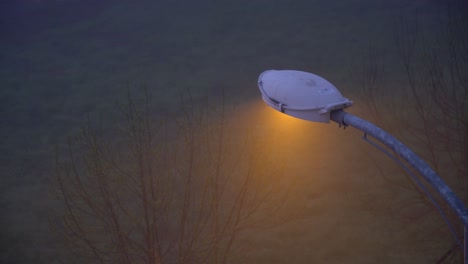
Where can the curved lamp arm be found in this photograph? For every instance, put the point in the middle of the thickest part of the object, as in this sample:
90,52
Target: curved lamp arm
345,119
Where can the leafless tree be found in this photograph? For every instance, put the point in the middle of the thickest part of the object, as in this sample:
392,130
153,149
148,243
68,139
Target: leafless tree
168,189
430,112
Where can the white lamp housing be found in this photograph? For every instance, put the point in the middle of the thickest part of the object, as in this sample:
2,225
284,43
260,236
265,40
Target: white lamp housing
301,94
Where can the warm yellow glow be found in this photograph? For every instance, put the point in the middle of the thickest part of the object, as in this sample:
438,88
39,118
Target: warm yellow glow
265,114
282,118
278,122
289,134
276,128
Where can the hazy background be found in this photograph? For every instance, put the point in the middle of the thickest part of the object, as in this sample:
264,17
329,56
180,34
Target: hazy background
62,60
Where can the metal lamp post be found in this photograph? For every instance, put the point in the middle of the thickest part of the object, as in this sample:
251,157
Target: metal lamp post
310,97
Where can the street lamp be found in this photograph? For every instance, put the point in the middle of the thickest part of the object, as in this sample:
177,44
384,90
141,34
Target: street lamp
310,97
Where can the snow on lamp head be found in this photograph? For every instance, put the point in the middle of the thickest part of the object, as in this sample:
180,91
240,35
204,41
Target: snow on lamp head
301,94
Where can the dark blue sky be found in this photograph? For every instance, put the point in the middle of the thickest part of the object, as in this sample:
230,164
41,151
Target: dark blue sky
20,19
62,60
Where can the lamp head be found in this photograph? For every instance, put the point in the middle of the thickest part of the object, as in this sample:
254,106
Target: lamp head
301,94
